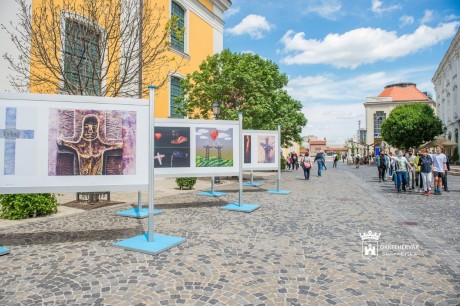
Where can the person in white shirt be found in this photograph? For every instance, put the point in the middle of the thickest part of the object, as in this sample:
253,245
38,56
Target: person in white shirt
439,167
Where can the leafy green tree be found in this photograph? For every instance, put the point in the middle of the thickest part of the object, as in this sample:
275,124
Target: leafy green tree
411,125
243,83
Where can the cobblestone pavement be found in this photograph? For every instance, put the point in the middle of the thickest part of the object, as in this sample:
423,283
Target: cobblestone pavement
300,249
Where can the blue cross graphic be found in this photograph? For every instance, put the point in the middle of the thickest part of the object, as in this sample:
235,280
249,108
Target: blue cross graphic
10,134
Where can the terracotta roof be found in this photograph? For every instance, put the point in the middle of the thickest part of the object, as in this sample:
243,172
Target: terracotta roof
317,142
404,92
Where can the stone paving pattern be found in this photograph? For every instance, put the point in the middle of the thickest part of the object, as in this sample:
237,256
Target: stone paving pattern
300,249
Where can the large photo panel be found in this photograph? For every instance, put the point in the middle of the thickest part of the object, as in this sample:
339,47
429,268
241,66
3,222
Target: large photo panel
58,143
186,147
260,150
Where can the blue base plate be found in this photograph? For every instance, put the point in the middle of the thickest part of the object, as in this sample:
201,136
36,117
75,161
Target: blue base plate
212,194
4,251
279,191
241,207
141,244
252,184
135,213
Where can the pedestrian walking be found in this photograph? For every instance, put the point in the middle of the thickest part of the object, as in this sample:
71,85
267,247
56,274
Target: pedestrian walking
358,158
402,167
418,174
306,165
439,168
336,159
319,158
444,178
426,168
411,159
382,162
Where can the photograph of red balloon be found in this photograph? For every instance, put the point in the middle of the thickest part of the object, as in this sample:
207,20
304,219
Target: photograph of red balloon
214,147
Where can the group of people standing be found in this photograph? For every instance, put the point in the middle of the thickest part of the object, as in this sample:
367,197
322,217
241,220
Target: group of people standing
292,161
405,168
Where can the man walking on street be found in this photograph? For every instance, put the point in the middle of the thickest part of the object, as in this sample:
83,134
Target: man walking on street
382,162
320,159
439,168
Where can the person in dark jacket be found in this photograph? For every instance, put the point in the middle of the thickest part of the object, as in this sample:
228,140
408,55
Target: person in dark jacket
321,161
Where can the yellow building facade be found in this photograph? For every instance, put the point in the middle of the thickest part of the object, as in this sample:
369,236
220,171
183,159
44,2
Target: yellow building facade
203,27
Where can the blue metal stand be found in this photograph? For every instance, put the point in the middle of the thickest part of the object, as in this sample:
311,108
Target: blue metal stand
252,183
240,206
135,213
150,242
243,207
284,192
4,251
278,181
212,193
141,243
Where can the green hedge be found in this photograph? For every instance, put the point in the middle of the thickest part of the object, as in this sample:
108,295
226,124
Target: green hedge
23,206
187,182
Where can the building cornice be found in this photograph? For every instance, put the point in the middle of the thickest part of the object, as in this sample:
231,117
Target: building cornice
454,45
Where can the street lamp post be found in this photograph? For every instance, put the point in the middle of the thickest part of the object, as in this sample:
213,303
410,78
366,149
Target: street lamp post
216,112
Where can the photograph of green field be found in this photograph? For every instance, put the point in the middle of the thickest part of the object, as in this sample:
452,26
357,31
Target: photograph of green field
214,147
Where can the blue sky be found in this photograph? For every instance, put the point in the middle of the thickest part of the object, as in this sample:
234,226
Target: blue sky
336,52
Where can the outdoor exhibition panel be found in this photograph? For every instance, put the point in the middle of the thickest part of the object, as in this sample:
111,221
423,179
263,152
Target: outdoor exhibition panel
63,143
260,150
196,148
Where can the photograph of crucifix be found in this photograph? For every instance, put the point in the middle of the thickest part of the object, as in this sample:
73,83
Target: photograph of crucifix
92,142
266,149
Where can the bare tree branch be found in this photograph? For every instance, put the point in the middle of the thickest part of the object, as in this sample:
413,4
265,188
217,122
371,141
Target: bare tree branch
91,47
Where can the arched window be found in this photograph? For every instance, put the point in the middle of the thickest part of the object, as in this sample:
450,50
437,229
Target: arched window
82,57
177,41
379,117
175,91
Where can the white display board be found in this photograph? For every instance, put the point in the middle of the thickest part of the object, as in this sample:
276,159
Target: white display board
261,150
196,147
62,143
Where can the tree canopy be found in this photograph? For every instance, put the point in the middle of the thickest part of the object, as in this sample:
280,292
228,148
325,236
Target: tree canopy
411,125
243,83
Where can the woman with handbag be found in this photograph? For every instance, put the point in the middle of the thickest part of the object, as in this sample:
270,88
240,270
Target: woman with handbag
306,165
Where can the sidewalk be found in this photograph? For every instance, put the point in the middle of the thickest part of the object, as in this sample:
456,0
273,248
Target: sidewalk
301,249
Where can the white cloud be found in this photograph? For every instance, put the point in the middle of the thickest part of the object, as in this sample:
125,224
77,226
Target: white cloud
428,16
452,17
331,89
231,11
335,122
406,20
253,25
333,106
361,46
377,7
324,8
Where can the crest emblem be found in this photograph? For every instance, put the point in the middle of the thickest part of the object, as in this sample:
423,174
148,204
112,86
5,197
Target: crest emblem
370,245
